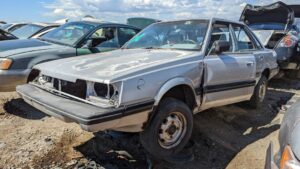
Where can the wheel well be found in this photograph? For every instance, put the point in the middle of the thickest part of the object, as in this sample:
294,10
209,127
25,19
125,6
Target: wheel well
32,75
183,93
266,73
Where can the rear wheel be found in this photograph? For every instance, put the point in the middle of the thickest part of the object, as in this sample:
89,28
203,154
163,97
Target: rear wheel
169,130
259,93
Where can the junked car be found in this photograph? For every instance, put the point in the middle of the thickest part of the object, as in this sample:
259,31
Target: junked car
9,27
29,30
17,57
289,140
278,27
157,81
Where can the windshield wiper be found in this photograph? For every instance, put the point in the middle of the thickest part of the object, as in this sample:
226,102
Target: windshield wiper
151,47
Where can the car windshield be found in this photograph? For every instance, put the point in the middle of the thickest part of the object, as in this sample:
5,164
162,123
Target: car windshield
182,35
68,34
26,31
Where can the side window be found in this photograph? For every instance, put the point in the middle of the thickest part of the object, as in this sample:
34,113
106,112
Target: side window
244,42
220,32
105,37
125,34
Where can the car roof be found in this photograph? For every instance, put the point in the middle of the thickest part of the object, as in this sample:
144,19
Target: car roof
103,23
212,19
44,24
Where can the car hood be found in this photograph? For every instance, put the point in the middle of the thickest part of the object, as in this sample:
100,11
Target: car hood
15,47
111,66
290,129
268,14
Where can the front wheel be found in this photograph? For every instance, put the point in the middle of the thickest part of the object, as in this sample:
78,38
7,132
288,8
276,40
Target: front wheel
169,130
259,94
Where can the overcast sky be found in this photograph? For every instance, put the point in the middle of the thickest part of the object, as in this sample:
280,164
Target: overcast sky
119,10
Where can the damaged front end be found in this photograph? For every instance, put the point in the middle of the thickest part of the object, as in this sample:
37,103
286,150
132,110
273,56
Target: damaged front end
99,94
94,106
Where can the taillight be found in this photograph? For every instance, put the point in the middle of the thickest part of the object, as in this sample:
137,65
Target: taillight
287,42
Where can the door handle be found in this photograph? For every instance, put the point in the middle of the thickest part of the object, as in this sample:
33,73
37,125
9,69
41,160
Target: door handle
250,64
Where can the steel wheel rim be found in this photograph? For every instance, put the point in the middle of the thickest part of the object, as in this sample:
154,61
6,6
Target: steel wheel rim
172,130
262,91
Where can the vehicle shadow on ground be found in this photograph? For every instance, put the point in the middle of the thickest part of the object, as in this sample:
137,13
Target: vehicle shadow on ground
19,108
219,135
285,83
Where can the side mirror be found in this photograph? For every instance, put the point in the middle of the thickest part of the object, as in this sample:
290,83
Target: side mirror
221,46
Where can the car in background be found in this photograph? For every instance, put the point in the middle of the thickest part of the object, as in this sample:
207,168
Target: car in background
6,35
9,27
32,29
141,22
41,33
17,57
157,81
288,156
278,27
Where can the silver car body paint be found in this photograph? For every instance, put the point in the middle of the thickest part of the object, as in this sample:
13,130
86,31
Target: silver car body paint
147,74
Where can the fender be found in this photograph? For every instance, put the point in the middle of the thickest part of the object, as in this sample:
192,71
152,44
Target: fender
41,59
172,83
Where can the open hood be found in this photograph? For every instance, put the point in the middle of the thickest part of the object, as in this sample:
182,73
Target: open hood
141,22
277,12
296,9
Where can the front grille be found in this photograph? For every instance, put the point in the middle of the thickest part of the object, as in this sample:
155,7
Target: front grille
77,89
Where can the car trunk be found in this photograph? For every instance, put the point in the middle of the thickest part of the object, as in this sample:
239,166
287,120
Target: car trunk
268,14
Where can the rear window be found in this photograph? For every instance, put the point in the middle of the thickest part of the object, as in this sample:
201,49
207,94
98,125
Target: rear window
267,26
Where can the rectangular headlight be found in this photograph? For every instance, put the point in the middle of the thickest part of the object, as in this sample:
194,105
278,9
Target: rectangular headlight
5,64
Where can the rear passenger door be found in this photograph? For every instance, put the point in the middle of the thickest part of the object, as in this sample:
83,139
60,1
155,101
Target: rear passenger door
230,76
247,44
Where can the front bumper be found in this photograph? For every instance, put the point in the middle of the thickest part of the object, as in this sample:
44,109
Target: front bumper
9,79
270,163
89,117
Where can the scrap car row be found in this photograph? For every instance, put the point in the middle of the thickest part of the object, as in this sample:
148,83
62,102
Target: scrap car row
150,81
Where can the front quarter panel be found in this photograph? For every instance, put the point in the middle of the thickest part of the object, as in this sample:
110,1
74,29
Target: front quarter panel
154,84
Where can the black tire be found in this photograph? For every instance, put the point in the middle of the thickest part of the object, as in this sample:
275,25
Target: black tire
259,93
168,110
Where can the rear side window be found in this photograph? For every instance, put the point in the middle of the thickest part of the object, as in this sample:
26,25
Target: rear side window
126,34
221,32
244,42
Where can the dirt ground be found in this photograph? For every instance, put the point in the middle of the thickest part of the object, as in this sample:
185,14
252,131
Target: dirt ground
226,137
